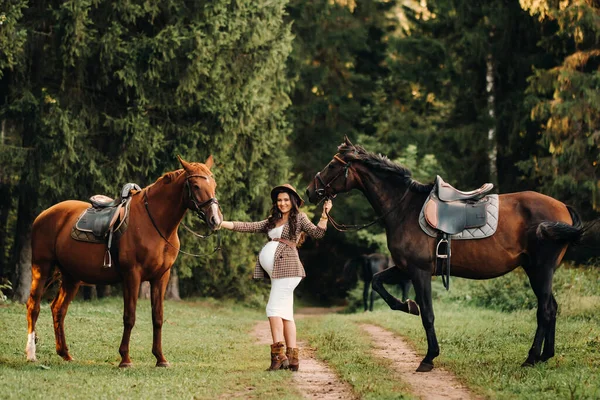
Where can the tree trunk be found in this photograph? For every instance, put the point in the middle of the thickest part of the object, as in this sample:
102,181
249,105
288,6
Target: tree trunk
5,204
493,145
173,286
22,280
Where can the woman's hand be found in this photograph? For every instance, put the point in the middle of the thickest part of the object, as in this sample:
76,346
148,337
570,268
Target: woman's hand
226,225
327,205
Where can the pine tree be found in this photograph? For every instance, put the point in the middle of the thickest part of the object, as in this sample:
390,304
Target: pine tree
564,100
111,92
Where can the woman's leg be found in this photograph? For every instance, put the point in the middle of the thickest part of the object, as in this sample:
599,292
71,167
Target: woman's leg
289,332
277,329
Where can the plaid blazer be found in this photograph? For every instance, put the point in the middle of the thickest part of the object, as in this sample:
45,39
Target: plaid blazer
287,261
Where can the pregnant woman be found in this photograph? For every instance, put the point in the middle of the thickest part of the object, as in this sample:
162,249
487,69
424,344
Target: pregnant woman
285,228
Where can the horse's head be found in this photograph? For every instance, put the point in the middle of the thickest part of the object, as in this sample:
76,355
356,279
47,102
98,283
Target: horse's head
336,177
200,191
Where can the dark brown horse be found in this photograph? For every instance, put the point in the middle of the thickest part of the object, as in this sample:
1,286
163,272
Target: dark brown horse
147,250
533,231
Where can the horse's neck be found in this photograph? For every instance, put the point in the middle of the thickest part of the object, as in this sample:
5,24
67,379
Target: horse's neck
381,194
385,197
166,205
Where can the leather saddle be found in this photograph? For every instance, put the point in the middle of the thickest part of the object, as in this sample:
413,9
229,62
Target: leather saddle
450,211
106,217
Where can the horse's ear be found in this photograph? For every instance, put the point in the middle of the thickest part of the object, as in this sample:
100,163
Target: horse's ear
347,141
209,162
183,163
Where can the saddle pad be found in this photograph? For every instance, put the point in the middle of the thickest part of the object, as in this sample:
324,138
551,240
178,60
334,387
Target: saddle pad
87,235
472,233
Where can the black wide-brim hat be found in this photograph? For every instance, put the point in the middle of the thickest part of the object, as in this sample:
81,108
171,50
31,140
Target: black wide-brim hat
286,187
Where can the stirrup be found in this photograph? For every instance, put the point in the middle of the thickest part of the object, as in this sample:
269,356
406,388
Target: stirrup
437,249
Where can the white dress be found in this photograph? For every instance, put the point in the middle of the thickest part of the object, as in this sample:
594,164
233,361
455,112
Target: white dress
281,298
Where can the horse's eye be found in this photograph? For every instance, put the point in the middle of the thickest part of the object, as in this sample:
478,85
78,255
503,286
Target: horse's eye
196,187
330,166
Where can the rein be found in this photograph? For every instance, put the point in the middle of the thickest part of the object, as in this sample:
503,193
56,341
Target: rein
208,202
348,228
323,192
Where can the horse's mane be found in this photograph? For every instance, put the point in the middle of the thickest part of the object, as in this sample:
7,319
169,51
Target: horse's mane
172,175
380,163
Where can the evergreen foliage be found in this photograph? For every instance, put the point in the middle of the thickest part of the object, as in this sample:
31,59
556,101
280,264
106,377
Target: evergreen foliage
95,93
110,92
565,99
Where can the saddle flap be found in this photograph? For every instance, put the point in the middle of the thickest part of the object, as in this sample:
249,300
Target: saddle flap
452,217
455,216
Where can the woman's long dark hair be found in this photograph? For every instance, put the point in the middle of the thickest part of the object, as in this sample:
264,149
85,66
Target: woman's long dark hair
275,215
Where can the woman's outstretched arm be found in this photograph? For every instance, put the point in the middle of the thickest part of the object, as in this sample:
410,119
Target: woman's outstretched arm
248,227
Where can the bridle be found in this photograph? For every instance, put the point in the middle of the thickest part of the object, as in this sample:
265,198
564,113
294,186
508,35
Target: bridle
198,208
322,193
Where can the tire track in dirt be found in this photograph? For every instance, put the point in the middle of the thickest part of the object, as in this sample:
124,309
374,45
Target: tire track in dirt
438,384
314,379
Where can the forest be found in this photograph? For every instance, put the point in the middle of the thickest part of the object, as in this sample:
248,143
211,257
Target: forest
95,94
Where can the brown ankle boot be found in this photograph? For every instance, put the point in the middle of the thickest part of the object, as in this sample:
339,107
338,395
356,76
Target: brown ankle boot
278,358
292,356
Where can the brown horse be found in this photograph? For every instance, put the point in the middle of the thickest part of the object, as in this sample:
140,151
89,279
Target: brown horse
146,252
533,231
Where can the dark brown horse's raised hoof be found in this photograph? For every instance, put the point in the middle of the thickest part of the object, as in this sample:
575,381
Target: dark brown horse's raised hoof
164,364
125,365
413,308
424,367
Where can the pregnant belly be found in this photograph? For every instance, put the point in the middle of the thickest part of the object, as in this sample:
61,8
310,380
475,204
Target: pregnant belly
267,255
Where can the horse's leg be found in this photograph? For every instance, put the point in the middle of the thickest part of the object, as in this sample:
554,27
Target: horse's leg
371,298
405,286
131,288
158,288
540,277
60,305
422,284
550,330
380,278
366,295
39,275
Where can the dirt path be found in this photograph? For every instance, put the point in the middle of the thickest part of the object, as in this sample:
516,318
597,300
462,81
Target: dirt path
314,379
435,385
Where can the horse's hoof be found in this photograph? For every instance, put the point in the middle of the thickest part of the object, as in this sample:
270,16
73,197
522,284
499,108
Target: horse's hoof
31,359
413,308
163,364
424,367
125,365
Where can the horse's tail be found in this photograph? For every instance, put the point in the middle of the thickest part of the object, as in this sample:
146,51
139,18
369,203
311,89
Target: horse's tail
560,231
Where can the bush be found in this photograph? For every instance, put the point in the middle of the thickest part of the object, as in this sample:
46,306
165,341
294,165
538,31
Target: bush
5,286
512,291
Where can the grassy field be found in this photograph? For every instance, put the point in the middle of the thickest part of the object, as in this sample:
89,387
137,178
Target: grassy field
208,344
213,354
485,347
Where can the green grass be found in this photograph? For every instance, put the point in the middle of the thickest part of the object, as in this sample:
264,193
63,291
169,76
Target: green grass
214,355
209,345
485,347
